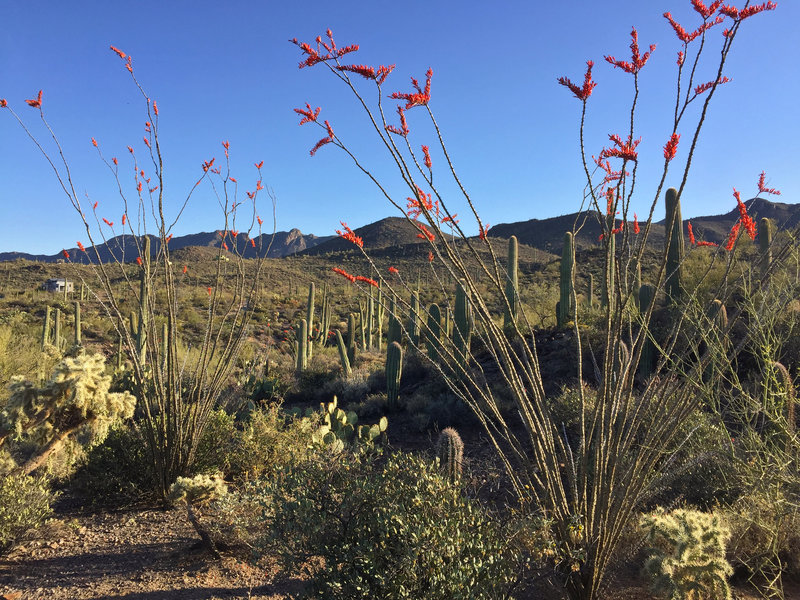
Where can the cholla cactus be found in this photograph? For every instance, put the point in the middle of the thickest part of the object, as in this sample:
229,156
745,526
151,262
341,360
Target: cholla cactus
195,491
687,559
75,402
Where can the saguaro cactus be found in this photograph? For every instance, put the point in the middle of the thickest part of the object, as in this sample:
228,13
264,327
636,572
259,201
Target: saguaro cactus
674,283
46,327
462,330
786,388
77,323
395,332
414,319
567,281
310,317
343,354
450,452
590,291
647,361
351,339
394,370
302,345
370,319
512,287
434,330
57,329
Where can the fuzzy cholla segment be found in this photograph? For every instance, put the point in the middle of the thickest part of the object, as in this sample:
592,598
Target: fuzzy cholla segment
198,489
687,557
76,400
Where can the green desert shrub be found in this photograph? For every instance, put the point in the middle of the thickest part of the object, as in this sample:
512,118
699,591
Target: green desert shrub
370,528
687,555
24,505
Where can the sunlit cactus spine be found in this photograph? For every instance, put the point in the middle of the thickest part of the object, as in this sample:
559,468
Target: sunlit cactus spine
512,287
434,331
395,331
351,338
310,318
647,360
462,323
343,354
46,327
77,323
414,319
765,244
675,250
302,345
567,286
394,370
450,453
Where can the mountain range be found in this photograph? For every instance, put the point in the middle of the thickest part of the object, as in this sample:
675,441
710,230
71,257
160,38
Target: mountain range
397,235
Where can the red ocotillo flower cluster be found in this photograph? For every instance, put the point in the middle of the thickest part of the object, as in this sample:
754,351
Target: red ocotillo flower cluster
345,274
393,270
309,114
686,37
704,87
637,60
35,103
762,185
349,235
403,129
421,97
623,150
744,218
81,247
741,15
316,56
483,230
323,141
107,222
427,156
584,91
671,147
367,72
367,280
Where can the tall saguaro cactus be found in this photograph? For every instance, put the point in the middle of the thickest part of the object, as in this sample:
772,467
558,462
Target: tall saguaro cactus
512,284
647,295
567,281
77,323
674,283
394,370
450,452
351,339
765,244
462,326
46,327
144,301
310,317
302,345
434,330
343,354
395,332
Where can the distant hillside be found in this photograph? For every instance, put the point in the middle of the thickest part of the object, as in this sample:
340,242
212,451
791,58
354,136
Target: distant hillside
124,248
548,234
391,232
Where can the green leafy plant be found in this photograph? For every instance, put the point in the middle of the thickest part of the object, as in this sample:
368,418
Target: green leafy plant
24,505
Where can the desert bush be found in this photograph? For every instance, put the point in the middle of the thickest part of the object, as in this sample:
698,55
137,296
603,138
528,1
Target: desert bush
687,559
24,505
393,529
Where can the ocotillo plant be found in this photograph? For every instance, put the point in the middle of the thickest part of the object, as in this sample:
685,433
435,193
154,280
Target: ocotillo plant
462,329
512,286
567,281
310,318
433,332
675,247
302,346
343,354
144,301
450,453
394,370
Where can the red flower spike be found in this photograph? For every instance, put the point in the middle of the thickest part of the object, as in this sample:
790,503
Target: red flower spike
692,241
383,73
65,253
130,149
393,270
146,142
139,187
124,219
139,260
762,186
421,97
704,87
363,70
430,257
107,222
348,235
581,93
344,274
209,291
308,115
637,60
94,142
367,280
704,243
403,129
703,10
671,147
323,141
260,222
259,164
169,238
36,103
744,218
483,230
185,268
155,107
624,150
224,246
732,236
636,228
681,58
252,242
119,52
3,103
427,154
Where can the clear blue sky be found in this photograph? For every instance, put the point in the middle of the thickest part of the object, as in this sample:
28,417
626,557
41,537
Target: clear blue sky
225,71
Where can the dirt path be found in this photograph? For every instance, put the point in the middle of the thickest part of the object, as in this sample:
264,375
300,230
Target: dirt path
136,555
